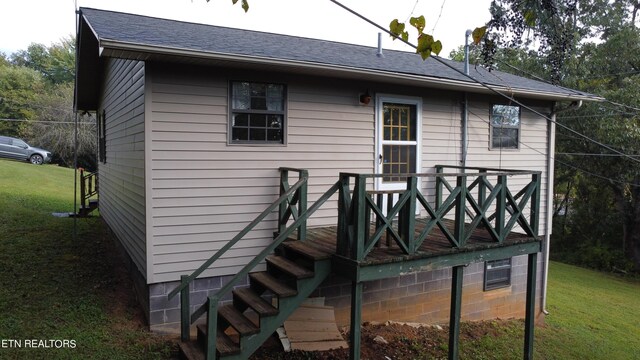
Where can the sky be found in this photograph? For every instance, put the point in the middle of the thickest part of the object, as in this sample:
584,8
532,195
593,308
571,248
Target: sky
23,22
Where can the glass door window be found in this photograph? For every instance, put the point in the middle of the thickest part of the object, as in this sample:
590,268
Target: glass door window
399,141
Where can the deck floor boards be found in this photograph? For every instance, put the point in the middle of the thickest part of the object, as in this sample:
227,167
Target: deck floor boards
435,244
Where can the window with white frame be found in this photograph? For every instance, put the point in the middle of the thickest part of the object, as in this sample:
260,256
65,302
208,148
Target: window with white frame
497,274
505,127
257,113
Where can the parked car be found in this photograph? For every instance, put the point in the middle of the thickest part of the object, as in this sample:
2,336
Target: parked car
13,148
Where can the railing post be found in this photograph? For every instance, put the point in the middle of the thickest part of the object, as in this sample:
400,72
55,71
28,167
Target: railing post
212,327
342,246
535,204
501,206
409,215
185,320
439,170
461,184
359,206
282,209
83,190
302,204
482,188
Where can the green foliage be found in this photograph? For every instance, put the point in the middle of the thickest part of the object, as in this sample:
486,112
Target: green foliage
398,31
19,88
36,102
56,63
54,128
426,43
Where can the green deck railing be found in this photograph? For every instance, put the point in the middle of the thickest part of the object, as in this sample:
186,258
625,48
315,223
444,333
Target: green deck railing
88,186
479,197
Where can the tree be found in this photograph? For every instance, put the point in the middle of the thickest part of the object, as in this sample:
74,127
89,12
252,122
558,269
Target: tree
594,46
56,63
53,128
19,88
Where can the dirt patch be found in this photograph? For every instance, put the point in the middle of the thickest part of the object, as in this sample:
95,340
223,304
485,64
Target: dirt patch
403,342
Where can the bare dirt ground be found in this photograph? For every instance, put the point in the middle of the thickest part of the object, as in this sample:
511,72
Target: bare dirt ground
404,342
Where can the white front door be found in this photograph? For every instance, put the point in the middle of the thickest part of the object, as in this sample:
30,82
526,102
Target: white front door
398,140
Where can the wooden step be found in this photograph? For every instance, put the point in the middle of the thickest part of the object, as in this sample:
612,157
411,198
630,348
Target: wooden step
190,350
225,346
237,320
251,299
306,250
269,282
289,267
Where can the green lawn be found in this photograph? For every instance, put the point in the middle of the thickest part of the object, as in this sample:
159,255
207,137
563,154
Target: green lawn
55,286
592,316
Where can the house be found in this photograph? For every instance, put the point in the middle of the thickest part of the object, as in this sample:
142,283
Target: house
425,214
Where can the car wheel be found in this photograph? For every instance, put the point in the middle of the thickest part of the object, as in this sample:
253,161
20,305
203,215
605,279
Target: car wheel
36,159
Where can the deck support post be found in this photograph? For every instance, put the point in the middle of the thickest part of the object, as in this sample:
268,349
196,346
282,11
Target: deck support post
356,320
458,232
529,319
456,305
185,318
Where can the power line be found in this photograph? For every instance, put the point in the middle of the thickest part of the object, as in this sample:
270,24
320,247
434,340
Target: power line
593,154
564,163
484,85
46,121
569,89
439,16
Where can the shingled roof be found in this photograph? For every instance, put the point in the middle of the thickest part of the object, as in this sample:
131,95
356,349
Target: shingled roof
113,34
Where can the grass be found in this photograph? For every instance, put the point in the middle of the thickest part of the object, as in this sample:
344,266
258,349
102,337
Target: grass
592,316
59,287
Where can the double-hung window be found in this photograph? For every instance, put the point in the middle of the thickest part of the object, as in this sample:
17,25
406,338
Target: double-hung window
505,127
257,113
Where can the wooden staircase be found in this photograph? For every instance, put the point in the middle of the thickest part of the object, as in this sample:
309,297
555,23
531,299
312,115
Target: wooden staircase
88,189
86,209
293,272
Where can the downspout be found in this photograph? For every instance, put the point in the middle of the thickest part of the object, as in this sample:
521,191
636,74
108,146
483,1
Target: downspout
465,106
551,148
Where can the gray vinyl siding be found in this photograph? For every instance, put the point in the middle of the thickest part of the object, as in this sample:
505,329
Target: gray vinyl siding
122,188
204,191
442,144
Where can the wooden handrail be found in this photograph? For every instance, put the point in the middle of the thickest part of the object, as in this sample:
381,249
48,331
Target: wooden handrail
238,237
88,186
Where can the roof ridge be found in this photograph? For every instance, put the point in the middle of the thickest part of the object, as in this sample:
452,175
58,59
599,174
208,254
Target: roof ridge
251,31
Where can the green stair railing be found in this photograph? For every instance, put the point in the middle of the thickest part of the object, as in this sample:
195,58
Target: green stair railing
88,186
290,197
480,195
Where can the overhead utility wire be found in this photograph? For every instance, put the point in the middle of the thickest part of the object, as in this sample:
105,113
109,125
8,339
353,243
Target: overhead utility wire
439,16
568,89
566,164
592,154
484,85
46,121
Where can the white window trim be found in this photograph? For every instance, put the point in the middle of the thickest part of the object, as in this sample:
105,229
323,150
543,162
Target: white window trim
409,100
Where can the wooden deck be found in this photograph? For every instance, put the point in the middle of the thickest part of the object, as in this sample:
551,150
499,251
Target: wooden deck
387,259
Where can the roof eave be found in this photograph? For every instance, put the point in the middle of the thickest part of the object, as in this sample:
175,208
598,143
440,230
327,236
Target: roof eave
120,49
